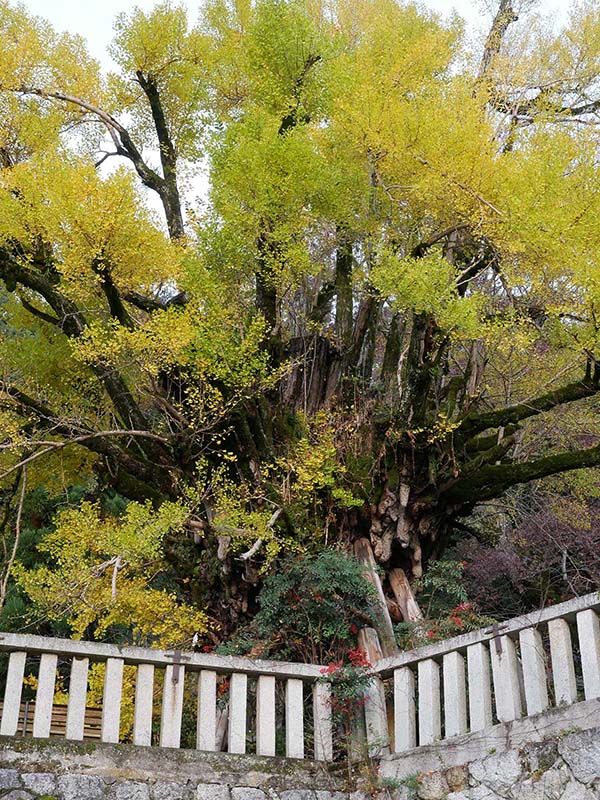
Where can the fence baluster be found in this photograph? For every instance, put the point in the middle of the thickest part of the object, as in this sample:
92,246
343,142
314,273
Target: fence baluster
323,724
430,721
144,698
534,671
238,690
265,715
44,696
505,672
405,718
294,718
480,690
111,701
561,658
172,706
77,699
12,694
455,695
206,723
589,646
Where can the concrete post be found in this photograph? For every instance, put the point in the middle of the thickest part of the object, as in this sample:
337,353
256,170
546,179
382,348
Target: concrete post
430,722
588,629
238,690
294,718
455,695
77,699
265,715
533,660
172,706
144,698
561,658
12,694
44,697
206,723
505,671
111,701
378,737
323,730
480,690
405,723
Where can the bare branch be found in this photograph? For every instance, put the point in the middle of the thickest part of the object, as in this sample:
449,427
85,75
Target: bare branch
17,539
50,446
505,16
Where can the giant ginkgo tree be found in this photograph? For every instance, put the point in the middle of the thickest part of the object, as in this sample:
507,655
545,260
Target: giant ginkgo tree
312,271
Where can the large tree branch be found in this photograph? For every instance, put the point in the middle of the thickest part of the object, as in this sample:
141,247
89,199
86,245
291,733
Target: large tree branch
37,312
124,147
504,17
73,323
290,120
509,415
49,446
128,471
493,480
115,303
69,317
266,290
168,156
343,290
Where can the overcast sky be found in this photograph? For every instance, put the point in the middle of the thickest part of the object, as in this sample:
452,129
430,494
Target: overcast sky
93,18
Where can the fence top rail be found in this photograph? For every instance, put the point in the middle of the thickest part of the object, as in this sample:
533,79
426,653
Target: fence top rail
97,651
566,610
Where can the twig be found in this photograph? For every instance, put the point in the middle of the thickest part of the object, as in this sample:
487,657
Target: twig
13,555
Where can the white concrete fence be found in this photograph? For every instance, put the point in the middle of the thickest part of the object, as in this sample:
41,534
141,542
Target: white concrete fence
470,683
516,669
72,659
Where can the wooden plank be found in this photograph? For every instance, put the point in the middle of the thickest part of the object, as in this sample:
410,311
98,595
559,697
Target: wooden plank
411,612
92,725
382,621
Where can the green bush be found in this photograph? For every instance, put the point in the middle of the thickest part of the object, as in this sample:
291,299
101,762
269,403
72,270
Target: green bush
310,610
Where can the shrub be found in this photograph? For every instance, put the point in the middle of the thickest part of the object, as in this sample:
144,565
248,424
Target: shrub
310,610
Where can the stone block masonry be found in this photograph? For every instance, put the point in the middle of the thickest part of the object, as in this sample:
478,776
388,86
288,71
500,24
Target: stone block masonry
51,769
564,767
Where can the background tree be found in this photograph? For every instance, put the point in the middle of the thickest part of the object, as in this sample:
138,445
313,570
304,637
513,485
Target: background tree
393,275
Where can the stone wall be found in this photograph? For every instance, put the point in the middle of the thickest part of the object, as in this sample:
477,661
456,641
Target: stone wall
52,769
565,767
